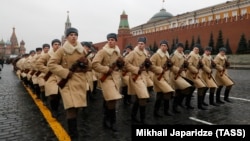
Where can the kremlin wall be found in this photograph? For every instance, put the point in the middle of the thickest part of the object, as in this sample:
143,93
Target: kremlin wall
231,17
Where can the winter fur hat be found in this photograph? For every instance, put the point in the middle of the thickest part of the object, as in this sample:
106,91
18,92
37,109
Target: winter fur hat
112,35
71,30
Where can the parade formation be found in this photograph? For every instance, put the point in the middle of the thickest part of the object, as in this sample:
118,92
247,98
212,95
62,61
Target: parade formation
73,71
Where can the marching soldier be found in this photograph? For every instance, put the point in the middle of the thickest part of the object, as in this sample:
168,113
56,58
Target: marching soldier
193,74
34,76
70,64
106,63
90,86
125,79
27,65
136,63
207,76
221,75
50,80
183,87
149,77
40,77
19,65
163,90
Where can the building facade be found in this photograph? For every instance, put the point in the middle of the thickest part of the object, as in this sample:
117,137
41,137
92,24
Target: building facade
11,48
231,18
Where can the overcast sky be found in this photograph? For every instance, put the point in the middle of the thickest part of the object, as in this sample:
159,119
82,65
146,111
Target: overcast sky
40,21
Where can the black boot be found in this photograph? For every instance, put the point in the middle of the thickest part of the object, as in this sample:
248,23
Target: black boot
43,98
200,99
134,112
72,128
204,96
189,96
226,95
211,97
37,89
188,101
151,93
180,101
54,105
176,103
106,116
218,101
126,98
143,114
166,108
157,104
113,125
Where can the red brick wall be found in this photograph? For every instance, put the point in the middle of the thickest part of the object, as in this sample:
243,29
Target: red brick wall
231,30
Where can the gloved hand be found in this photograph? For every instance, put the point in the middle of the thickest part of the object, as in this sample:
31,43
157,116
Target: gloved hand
120,63
185,64
147,63
200,65
169,64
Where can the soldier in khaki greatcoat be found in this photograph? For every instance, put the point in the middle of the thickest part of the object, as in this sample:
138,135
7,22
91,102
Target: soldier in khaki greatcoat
207,76
183,87
125,79
221,76
162,88
105,64
34,76
40,77
193,74
137,63
27,66
50,82
90,85
70,65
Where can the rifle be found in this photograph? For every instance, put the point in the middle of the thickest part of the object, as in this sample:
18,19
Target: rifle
213,65
81,63
118,63
38,73
33,72
145,64
200,65
26,71
47,76
125,72
108,73
226,65
168,64
183,66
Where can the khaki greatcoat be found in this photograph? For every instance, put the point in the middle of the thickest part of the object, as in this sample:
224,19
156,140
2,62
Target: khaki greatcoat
74,92
178,82
206,72
51,87
221,77
193,73
101,63
158,60
133,61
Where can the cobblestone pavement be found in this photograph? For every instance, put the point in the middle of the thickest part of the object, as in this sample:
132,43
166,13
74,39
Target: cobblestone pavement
20,119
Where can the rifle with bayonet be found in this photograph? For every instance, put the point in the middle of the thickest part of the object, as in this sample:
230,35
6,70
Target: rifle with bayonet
80,65
167,65
183,66
118,63
146,64
225,65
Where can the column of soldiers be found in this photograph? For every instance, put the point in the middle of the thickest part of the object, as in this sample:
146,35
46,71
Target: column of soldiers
73,72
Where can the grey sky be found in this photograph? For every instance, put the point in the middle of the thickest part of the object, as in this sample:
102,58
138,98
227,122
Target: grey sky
40,21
